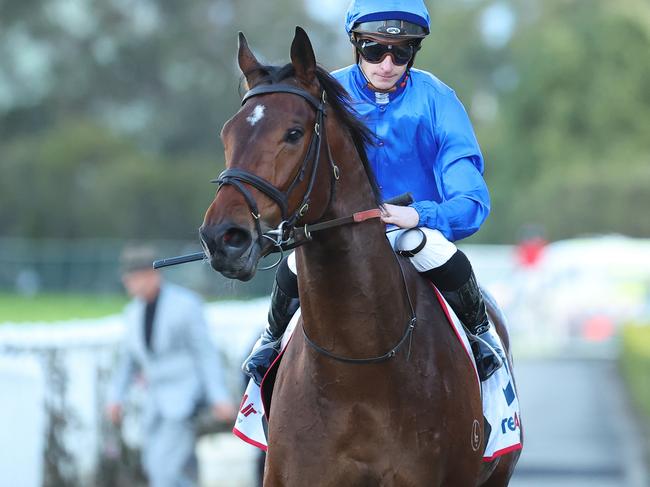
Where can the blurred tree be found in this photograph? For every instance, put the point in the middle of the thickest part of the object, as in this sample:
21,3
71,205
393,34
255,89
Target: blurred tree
121,102
559,94
110,110
76,181
164,72
578,117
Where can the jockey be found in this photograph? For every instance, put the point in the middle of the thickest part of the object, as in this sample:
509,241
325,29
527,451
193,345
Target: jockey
426,146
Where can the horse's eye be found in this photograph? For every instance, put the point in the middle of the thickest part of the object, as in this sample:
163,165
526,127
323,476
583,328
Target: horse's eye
293,135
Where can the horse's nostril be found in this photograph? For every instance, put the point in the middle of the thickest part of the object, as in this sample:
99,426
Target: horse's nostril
207,242
237,238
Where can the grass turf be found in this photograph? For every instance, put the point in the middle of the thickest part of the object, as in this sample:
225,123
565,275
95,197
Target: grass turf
56,307
635,361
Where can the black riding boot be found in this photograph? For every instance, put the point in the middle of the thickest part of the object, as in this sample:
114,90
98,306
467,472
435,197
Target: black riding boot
284,304
466,300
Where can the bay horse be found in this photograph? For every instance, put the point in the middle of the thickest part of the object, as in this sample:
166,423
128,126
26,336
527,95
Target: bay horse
374,389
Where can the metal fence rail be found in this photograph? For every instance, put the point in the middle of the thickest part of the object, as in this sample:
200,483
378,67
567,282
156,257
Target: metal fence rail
91,266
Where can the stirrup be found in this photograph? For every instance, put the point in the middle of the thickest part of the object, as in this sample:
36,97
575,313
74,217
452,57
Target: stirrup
488,356
260,359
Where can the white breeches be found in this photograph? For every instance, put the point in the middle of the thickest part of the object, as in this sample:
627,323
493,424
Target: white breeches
437,250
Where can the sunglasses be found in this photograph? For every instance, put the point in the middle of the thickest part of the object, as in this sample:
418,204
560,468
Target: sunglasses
374,52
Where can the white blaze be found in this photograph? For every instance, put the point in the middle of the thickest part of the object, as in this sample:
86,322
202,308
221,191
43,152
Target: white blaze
256,116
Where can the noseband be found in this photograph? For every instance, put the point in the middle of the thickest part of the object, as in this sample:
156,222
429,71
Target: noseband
237,178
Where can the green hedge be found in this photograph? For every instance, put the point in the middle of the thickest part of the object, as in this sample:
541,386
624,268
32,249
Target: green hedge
635,364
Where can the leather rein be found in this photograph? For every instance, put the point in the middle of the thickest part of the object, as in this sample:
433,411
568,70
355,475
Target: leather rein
285,235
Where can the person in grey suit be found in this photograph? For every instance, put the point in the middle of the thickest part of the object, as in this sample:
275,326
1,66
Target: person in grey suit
167,344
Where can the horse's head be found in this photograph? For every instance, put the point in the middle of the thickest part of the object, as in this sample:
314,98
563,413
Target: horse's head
272,148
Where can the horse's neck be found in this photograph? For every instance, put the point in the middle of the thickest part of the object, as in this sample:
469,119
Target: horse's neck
352,294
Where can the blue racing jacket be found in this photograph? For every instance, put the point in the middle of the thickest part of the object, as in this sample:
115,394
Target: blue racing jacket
425,144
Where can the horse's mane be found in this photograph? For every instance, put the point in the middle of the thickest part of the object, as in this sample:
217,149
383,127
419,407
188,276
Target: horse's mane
341,103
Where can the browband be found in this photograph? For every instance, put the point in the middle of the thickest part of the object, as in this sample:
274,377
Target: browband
282,88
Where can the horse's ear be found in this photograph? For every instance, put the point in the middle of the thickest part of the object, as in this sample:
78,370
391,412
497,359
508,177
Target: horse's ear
248,63
302,57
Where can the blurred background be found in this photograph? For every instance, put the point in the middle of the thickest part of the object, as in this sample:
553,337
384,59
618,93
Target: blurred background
110,113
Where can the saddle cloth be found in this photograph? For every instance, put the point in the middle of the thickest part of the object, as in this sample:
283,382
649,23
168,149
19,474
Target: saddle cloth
500,402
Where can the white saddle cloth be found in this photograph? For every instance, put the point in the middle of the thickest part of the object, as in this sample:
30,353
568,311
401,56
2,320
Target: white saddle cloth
500,402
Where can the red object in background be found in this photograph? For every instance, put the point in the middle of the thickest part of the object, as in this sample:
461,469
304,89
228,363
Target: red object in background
530,251
598,328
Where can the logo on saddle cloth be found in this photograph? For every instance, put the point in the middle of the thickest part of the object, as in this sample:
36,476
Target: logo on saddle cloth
247,409
509,393
512,423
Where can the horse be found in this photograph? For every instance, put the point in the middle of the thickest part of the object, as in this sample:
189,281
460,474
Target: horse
373,388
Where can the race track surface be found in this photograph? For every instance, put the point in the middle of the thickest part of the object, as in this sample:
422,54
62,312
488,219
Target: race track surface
578,425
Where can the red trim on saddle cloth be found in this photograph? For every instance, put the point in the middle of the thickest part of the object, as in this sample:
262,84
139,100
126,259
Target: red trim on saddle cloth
499,453
470,355
277,359
248,440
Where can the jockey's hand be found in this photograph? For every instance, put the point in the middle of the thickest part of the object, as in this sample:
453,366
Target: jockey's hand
224,411
401,216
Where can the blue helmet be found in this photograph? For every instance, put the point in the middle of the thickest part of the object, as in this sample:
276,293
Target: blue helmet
389,19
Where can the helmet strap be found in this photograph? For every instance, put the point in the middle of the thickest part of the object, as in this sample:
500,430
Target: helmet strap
418,46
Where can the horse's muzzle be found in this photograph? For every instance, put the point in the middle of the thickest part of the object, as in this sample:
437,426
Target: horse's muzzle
231,250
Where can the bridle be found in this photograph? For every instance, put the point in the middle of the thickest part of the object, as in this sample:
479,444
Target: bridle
285,235
238,177
288,236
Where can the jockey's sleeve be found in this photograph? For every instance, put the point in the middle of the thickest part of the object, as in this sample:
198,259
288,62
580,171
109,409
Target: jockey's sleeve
465,198
465,207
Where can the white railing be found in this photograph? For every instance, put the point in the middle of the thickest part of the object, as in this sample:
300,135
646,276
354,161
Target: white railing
54,378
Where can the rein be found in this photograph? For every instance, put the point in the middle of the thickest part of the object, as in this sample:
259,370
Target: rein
358,217
307,230
301,235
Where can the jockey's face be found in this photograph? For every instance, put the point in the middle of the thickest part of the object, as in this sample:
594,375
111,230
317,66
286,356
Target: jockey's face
384,74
